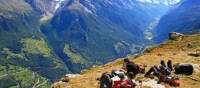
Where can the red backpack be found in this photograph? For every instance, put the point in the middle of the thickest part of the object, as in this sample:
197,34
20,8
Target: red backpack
175,81
122,84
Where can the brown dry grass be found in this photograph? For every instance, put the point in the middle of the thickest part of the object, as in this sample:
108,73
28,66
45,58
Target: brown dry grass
177,51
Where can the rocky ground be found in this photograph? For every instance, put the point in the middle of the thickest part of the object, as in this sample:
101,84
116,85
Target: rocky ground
181,50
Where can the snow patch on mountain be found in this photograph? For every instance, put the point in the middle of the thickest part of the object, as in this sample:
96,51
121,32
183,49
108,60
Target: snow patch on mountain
77,6
165,2
55,5
58,4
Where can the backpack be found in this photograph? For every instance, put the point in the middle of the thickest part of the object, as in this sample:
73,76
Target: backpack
121,84
186,69
175,81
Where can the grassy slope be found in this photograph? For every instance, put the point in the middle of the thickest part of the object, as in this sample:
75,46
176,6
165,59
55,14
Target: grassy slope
174,50
22,45
74,57
35,55
9,74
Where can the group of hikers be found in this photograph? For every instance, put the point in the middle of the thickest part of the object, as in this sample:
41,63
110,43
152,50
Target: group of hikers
123,78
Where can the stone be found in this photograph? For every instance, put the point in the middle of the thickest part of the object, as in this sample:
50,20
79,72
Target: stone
65,79
59,84
194,54
196,68
72,75
190,45
175,36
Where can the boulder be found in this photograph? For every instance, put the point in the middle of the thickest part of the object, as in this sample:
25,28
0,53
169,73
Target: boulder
59,84
72,75
190,45
196,68
65,79
195,54
175,36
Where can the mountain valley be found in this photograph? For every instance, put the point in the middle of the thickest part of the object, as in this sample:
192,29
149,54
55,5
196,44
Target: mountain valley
46,39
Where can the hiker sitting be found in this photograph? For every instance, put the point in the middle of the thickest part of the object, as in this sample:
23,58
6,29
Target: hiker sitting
129,66
109,80
105,80
162,69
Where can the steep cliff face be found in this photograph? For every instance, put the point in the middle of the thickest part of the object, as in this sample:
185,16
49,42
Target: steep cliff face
182,18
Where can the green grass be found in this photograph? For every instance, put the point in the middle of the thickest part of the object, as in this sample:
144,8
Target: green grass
74,57
9,54
15,73
35,55
33,46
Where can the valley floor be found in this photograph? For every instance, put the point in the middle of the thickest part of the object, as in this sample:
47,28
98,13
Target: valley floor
177,51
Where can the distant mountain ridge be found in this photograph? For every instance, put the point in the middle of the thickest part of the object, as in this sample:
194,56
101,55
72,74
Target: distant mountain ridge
184,18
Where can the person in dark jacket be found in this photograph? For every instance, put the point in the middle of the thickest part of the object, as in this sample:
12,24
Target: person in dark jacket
130,66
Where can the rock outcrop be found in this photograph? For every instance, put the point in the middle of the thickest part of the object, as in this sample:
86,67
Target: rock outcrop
59,84
175,36
195,54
